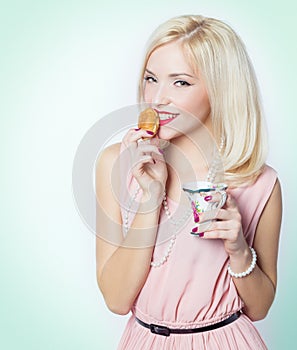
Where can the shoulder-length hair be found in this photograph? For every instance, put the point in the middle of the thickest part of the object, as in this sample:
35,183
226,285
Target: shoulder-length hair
219,55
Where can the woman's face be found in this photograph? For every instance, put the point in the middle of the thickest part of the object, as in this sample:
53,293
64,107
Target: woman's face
172,88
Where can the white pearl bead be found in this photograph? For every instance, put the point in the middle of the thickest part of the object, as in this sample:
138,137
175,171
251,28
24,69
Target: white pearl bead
177,223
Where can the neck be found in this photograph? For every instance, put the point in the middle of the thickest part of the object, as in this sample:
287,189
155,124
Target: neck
195,151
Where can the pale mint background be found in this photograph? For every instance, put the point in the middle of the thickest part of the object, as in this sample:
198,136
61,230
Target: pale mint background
63,65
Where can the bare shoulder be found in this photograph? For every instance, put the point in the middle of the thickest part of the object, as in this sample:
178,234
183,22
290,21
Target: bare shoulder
277,189
107,187
275,199
272,213
107,158
105,182
268,184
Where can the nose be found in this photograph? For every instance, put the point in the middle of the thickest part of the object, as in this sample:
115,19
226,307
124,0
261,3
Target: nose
161,96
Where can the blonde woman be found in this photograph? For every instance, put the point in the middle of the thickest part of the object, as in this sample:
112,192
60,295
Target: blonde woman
189,291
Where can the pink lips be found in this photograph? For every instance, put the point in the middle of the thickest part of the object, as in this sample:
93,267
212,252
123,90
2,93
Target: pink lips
166,121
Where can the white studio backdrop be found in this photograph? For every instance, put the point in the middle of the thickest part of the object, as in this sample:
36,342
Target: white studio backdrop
64,65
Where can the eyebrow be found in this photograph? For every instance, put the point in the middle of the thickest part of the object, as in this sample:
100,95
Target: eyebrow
172,75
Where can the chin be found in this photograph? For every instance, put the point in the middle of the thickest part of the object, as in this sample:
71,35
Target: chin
168,133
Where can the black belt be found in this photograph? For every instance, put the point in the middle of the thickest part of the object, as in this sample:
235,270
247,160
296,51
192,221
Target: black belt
162,330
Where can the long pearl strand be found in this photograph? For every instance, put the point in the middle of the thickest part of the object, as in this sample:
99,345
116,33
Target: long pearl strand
173,237
213,169
127,212
168,214
210,177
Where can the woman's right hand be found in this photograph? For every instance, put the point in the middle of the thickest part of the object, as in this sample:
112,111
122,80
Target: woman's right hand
147,162
121,269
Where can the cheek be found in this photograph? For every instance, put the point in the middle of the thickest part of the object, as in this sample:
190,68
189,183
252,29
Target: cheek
200,107
148,94
147,99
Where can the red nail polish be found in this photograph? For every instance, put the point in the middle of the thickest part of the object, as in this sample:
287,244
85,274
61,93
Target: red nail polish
195,214
196,217
194,229
137,129
150,132
207,198
201,234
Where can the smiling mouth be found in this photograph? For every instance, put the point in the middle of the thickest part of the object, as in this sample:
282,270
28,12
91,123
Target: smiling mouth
166,117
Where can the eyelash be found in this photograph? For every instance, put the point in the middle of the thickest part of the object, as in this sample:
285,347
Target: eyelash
182,83
178,83
150,79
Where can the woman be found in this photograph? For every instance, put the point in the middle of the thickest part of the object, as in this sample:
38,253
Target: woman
186,291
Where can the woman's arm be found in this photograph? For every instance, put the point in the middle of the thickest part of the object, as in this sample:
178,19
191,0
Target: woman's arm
257,290
123,263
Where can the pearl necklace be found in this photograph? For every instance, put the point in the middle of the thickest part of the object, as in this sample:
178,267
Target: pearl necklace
213,169
176,224
172,239
210,177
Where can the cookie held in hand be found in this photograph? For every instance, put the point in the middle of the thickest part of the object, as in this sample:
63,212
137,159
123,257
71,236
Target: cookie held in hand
149,120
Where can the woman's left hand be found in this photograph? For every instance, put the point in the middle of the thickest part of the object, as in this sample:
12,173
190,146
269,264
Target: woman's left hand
228,227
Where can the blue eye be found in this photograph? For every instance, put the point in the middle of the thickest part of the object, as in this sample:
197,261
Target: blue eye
181,83
150,79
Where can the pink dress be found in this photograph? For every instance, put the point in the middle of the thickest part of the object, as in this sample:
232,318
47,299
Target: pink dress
193,289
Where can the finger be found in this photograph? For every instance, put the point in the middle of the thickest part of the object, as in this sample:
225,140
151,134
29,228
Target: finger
157,158
133,135
139,133
148,148
229,213
129,134
216,235
205,230
128,139
212,197
208,215
138,169
228,225
141,158
215,199
204,226
140,162
160,143
223,229
230,202
222,214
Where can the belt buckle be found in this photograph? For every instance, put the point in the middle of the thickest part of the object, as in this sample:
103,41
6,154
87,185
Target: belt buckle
161,330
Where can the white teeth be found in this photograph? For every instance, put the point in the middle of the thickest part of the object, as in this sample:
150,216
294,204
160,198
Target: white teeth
166,116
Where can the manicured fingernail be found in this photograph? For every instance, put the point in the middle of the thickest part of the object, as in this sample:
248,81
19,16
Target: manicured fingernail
207,198
195,214
196,217
161,151
194,229
137,129
150,132
201,234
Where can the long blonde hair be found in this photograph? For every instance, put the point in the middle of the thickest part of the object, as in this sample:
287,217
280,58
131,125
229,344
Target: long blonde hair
217,52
